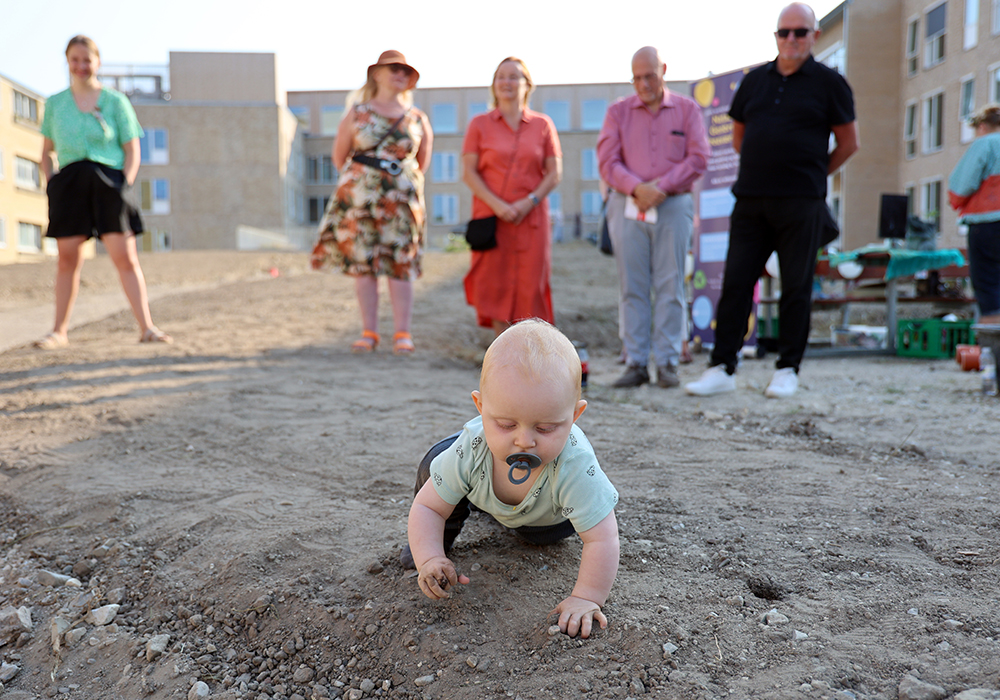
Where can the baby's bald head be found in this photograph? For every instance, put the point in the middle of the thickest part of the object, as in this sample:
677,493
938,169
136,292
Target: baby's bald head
536,349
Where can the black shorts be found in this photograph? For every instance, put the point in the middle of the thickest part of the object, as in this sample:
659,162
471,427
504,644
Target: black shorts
88,199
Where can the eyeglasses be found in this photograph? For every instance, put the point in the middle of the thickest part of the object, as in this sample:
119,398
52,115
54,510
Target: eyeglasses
104,125
648,78
399,68
799,32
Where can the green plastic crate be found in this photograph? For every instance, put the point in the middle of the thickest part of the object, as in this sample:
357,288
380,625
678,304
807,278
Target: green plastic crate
931,337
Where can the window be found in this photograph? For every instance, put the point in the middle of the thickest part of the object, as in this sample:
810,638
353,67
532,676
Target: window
445,210
971,37
477,108
153,147
319,170
444,118
444,166
555,203
154,196
301,115
994,84
558,112
25,108
933,137
329,119
912,47
910,130
29,237
967,104
934,46
593,114
930,202
3,232
26,173
910,200
588,164
835,57
317,207
995,8
590,203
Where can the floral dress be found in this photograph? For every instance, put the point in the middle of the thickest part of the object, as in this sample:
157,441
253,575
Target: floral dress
375,222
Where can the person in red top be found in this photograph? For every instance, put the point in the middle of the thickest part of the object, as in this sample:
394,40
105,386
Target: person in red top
511,160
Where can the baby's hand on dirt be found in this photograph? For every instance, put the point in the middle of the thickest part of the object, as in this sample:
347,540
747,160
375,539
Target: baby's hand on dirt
437,575
578,615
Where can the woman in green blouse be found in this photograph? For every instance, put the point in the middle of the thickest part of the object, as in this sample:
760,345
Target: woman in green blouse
90,156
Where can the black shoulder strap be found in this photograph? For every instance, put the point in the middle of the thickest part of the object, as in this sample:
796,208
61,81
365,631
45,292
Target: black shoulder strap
391,129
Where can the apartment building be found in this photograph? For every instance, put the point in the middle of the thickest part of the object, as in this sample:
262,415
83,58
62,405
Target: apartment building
222,162
576,110
23,207
918,70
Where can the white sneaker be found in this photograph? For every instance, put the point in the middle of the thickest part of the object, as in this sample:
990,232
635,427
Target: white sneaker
783,384
713,381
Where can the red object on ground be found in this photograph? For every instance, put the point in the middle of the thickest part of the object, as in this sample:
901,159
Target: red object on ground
967,357
274,272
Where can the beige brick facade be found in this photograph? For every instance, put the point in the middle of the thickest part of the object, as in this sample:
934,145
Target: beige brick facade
910,63
23,207
222,159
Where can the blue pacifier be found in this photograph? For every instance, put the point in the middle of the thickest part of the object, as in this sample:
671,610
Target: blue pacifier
525,461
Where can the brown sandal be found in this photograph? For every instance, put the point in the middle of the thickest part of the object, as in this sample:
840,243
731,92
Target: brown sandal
366,343
402,344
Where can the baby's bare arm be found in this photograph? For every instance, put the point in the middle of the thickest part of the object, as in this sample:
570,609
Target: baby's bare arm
425,532
598,569
599,561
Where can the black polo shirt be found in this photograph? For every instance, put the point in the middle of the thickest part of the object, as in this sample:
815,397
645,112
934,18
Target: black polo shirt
786,141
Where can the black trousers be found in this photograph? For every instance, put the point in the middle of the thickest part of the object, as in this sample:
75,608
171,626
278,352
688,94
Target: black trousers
546,534
759,226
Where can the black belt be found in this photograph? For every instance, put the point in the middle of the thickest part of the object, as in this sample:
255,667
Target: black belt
390,166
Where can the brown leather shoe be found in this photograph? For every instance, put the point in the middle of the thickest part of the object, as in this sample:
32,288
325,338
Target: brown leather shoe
666,377
635,375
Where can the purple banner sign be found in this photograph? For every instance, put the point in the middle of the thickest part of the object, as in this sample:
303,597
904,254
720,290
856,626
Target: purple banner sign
713,205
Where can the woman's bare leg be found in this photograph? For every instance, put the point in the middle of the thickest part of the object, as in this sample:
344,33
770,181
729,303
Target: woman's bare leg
67,281
122,251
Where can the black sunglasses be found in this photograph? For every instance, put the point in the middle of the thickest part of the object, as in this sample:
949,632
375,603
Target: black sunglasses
399,68
799,32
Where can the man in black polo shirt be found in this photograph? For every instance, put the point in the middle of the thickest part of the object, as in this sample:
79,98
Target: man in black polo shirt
783,114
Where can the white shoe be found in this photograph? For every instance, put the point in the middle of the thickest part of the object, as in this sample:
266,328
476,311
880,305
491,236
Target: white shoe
783,384
715,380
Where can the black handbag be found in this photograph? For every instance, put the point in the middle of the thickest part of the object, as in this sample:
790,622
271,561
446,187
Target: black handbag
604,245
481,234
830,229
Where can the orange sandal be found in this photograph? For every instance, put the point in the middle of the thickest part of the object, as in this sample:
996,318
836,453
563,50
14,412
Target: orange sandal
366,343
402,344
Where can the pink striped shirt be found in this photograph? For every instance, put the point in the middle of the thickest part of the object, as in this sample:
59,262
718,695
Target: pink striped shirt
636,146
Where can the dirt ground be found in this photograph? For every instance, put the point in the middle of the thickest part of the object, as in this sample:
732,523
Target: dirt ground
245,492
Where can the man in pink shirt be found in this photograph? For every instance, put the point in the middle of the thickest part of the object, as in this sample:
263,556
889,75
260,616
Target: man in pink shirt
652,148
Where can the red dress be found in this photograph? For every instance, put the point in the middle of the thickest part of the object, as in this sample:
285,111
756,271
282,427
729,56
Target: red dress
511,282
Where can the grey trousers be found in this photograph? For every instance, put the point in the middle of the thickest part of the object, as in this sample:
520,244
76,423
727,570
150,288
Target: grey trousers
650,259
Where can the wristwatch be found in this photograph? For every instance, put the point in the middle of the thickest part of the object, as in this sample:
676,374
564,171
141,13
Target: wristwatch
533,198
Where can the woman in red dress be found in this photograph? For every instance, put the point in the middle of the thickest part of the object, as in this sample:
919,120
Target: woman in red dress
511,160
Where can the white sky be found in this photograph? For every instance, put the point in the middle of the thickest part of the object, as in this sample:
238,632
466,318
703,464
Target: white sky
328,45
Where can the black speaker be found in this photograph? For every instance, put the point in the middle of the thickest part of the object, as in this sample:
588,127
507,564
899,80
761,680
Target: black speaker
892,216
